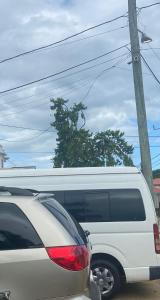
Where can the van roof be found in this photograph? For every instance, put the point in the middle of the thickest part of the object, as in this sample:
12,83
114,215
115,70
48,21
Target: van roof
67,171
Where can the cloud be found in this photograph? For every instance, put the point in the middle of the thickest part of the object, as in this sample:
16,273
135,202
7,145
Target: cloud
109,97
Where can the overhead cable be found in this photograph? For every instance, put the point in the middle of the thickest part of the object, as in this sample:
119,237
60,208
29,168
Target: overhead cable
63,71
151,71
62,40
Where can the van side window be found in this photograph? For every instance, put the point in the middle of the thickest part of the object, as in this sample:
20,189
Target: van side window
59,196
88,206
97,206
118,205
126,205
74,203
16,231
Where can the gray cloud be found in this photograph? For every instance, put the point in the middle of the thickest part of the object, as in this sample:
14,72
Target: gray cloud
27,24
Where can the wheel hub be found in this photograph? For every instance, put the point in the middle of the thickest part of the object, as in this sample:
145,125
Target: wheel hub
104,278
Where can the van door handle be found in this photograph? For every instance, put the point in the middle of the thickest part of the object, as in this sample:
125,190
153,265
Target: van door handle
5,295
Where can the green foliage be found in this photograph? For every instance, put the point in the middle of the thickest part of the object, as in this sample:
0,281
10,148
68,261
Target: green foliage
156,173
78,147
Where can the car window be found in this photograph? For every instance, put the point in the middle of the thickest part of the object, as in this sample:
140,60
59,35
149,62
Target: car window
68,222
16,231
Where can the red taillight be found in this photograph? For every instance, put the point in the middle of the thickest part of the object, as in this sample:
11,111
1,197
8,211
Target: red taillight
156,238
74,258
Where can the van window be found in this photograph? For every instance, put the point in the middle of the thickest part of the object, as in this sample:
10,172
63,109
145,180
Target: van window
126,205
88,206
118,205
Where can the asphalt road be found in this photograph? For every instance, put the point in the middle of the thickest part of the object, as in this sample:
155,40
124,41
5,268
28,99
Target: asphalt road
137,291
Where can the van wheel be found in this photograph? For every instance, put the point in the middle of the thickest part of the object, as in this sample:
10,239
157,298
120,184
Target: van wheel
107,276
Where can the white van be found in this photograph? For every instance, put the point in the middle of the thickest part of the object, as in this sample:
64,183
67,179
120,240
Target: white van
115,206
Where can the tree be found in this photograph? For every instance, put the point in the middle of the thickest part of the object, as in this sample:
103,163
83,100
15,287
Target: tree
112,149
78,147
156,173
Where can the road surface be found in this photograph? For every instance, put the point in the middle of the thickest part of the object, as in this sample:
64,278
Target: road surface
137,291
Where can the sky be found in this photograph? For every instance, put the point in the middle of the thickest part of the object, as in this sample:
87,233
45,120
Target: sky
107,91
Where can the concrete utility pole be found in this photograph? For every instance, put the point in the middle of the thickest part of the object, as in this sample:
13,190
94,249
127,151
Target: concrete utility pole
139,95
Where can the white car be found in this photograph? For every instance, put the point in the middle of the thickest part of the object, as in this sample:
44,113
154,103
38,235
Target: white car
116,206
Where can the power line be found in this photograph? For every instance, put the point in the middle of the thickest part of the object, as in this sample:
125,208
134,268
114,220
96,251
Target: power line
63,71
155,156
69,75
155,162
64,95
146,49
25,128
101,73
155,77
47,130
30,152
129,70
62,40
90,36
72,36
44,102
150,5
26,140
154,52
151,146
137,136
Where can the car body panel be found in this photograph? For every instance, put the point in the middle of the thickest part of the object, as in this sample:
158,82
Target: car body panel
29,274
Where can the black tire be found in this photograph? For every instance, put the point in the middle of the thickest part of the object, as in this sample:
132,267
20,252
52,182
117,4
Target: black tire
101,267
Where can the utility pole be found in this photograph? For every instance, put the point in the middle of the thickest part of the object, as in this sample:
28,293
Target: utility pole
3,157
139,95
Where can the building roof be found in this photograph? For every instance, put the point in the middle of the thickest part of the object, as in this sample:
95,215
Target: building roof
156,190
156,181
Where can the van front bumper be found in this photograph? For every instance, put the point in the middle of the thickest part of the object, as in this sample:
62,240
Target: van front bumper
154,273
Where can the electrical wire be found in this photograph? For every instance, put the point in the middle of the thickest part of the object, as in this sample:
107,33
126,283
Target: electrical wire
154,52
89,37
155,162
47,130
101,73
24,128
150,5
43,102
155,77
155,156
29,152
146,49
77,40
93,82
62,40
63,71
66,76
73,35
30,139
42,97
